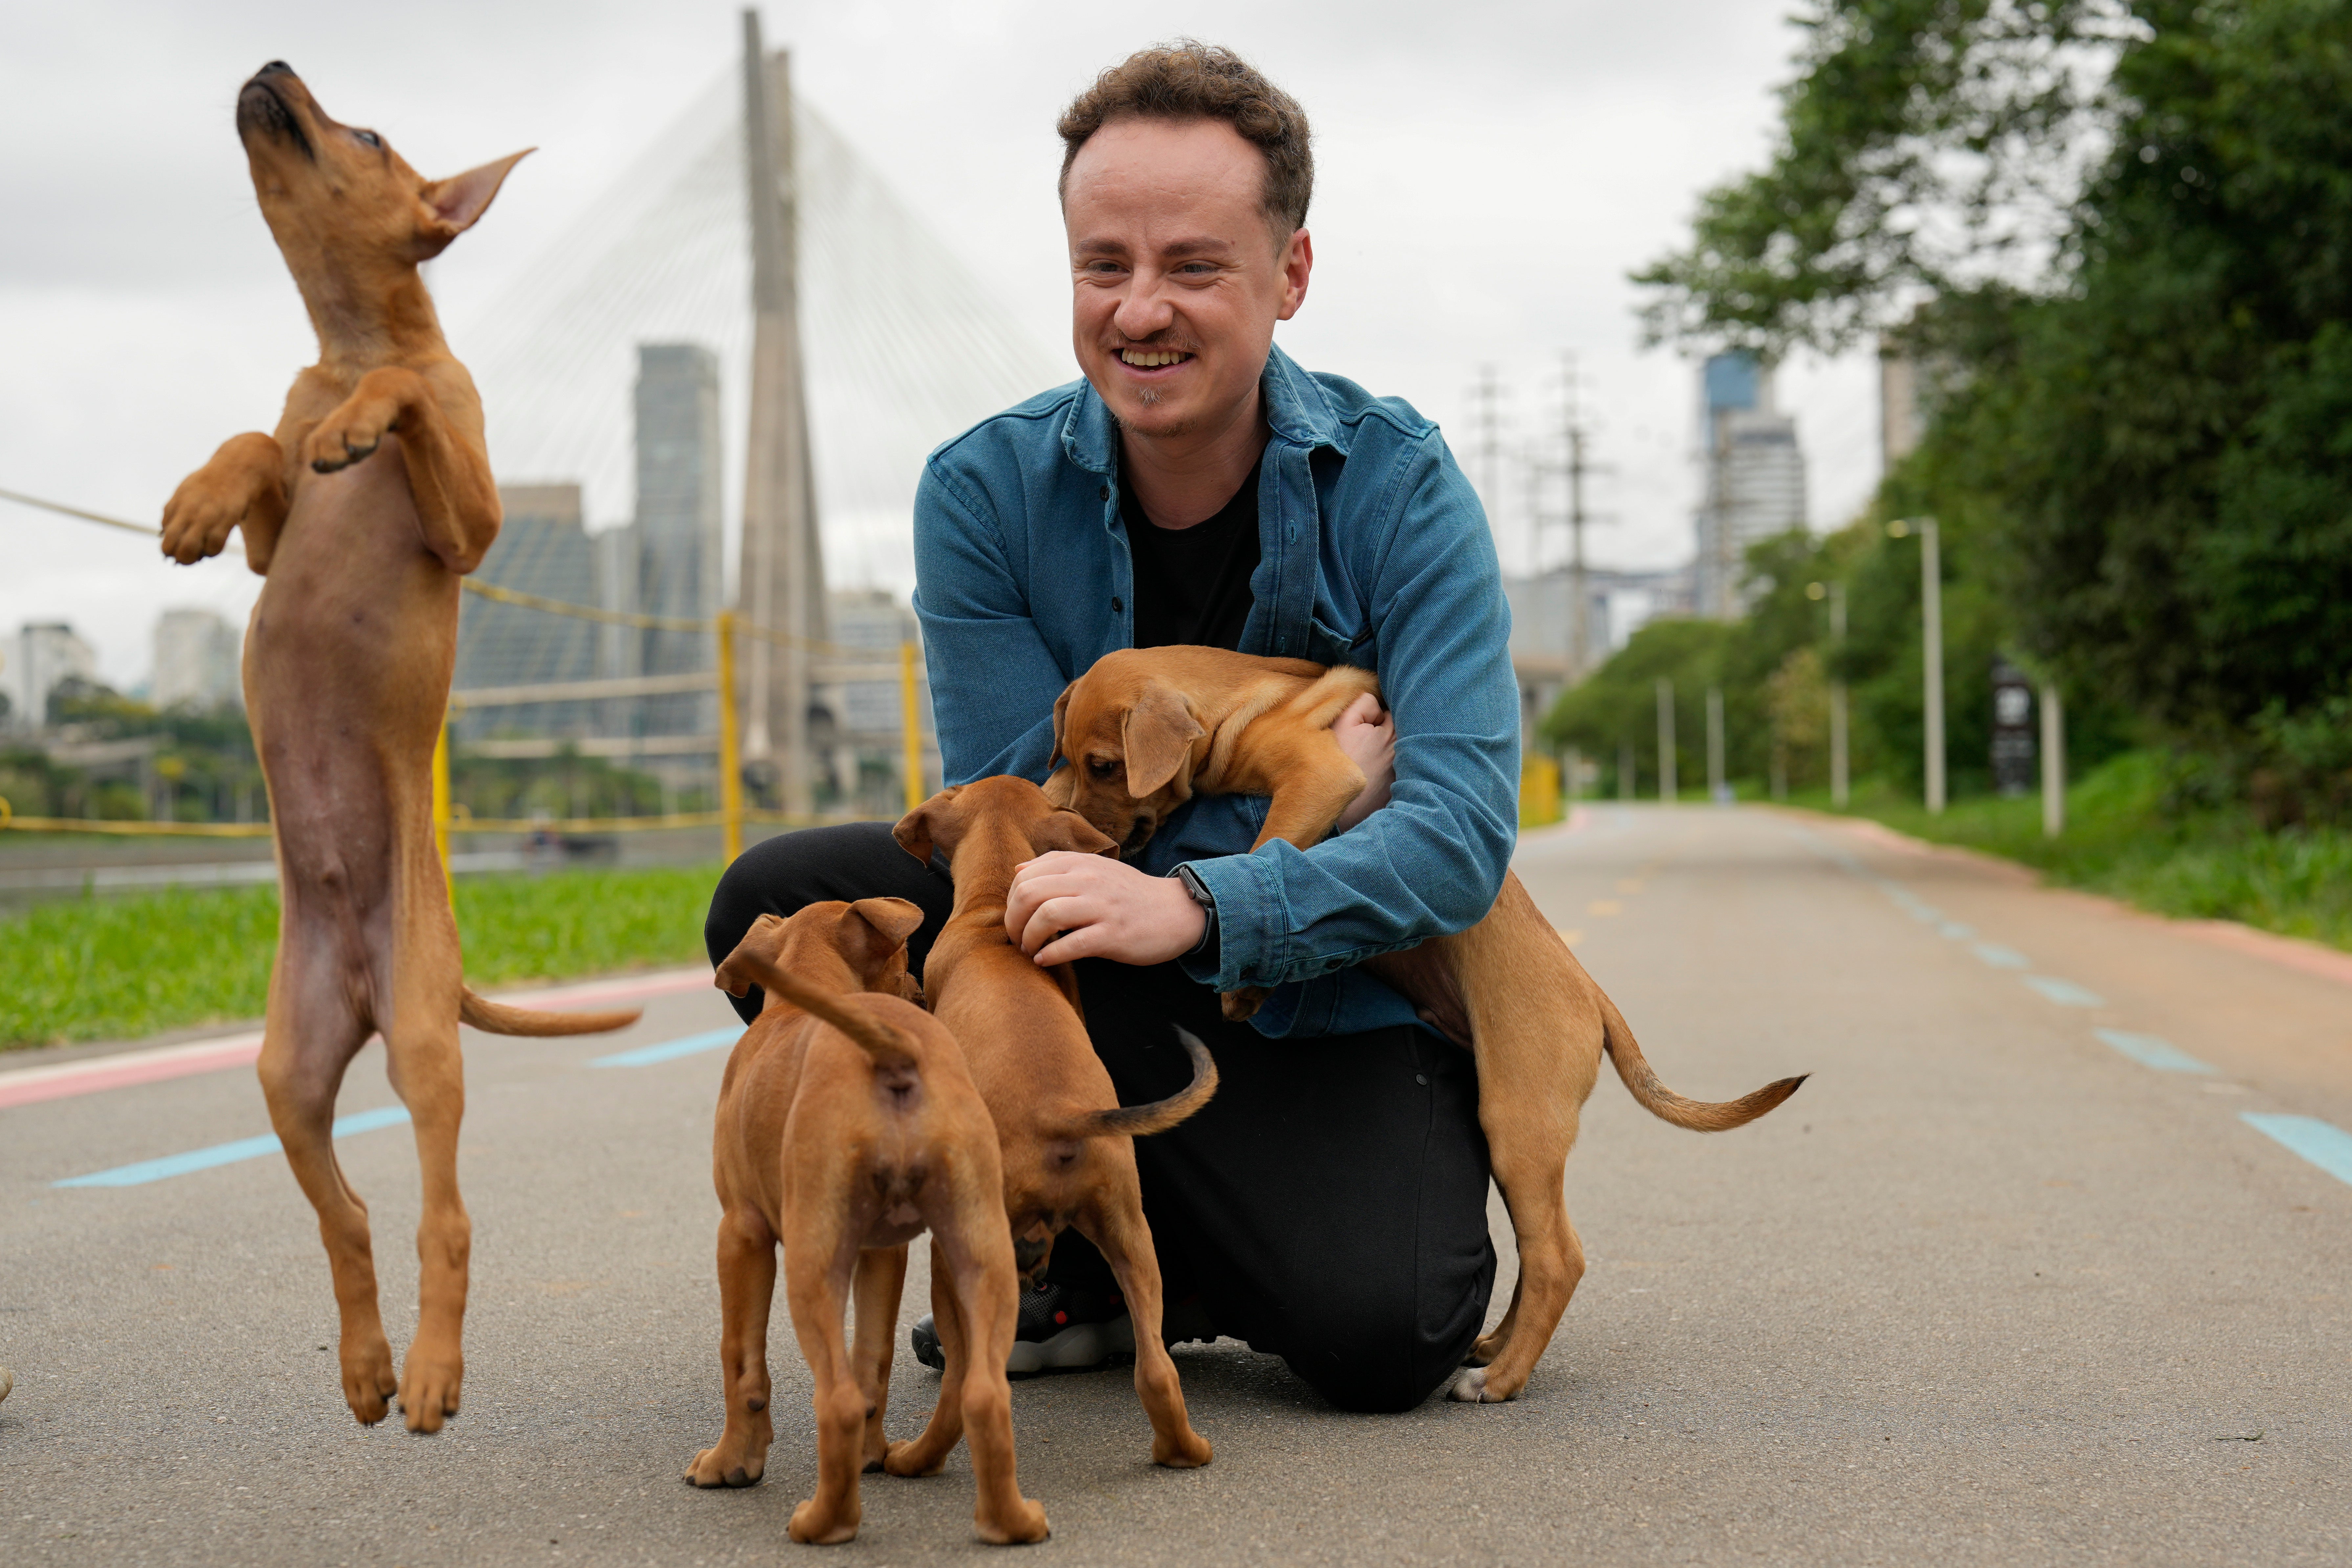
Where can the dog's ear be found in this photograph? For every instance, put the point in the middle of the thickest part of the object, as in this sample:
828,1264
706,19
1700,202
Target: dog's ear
873,938
895,918
455,205
755,952
921,830
1061,787
1068,830
1158,737
1060,714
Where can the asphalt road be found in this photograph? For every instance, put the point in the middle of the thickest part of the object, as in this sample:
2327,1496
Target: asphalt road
1989,1289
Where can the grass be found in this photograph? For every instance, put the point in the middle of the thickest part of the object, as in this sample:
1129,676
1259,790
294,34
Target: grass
2121,840
119,968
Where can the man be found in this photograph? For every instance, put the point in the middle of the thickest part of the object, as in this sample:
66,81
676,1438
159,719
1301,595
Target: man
1198,486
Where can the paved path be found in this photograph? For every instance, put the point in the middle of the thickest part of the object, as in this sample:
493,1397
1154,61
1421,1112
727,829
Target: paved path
1991,1289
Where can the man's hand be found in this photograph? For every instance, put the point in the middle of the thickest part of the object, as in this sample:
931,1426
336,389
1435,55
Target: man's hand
1367,733
1063,905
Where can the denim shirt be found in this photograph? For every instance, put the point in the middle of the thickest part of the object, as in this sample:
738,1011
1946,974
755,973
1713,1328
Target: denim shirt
1373,551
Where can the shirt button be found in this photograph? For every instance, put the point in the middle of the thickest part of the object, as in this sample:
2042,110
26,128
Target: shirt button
1116,607
1104,494
1421,1079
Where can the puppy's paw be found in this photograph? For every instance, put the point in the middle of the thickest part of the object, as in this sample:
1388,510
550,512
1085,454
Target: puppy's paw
367,1380
429,1386
351,432
1186,1451
910,1458
1471,1387
721,1465
1019,1525
815,1526
199,516
1239,1005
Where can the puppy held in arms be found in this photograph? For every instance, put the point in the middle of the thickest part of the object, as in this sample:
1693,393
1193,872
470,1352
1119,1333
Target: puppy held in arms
362,510
1146,729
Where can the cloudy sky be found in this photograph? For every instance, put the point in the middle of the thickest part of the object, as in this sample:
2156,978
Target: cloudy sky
1488,173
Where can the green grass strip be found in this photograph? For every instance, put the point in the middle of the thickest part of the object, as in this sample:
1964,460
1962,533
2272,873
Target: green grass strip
120,968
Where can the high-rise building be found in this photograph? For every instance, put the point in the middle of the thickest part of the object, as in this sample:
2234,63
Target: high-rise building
195,661
1755,476
541,548
679,567
39,659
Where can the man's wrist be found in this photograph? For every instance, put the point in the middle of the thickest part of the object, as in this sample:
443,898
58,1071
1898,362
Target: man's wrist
1198,891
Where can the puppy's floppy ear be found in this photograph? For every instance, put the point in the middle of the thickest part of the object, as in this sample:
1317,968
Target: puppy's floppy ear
1158,737
1061,787
753,956
1061,712
455,205
919,830
873,935
1068,830
895,918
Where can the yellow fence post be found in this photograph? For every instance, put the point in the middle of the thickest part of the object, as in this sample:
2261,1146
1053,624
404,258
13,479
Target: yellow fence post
730,758
910,712
441,796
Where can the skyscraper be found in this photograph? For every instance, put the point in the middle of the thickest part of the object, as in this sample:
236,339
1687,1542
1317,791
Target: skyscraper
678,526
195,661
40,658
541,548
1755,476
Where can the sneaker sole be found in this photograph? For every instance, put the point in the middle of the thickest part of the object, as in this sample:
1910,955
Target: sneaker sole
1075,1348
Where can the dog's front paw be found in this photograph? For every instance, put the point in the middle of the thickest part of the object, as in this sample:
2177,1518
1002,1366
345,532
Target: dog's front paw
1019,1525
1239,1005
430,1385
367,1380
351,432
1471,1388
724,1466
198,518
815,1525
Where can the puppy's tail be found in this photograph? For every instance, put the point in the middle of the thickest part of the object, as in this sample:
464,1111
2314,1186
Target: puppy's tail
1142,1120
500,1020
881,1041
1698,1115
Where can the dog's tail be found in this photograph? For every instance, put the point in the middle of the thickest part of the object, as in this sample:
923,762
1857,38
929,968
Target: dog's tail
1142,1120
500,1020
883,1042
1698,1115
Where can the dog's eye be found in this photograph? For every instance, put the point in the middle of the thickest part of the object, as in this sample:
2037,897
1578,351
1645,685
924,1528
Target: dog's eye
1101,767
369,138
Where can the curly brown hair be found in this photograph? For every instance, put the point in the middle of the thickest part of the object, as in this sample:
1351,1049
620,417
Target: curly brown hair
1189,79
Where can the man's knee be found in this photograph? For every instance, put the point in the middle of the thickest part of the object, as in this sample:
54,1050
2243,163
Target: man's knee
1382,1352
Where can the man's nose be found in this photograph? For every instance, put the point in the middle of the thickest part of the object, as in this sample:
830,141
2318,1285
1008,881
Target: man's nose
1144,310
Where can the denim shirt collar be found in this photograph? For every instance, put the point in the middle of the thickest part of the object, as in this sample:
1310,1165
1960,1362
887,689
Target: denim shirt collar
1296,410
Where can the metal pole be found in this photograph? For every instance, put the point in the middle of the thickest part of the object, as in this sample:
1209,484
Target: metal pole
1666,739
1579,634
441,796
730,751
1574,783
2053,763
1840,793
1625,769
910,713
1931,626
1715,744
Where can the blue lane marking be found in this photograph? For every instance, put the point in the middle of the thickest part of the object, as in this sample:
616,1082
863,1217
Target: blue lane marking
2326,1146
2151,1052
1957,932
671,1050
225,1153
2066,992
2002,957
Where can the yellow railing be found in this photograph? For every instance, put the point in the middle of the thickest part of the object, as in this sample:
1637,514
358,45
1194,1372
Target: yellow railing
1539,793
449,817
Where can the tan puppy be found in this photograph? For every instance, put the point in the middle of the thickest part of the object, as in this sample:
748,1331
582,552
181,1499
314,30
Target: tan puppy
1067,1146
847,1125
347,666
1146,727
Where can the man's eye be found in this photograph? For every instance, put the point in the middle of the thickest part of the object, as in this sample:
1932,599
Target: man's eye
370,138
1100,768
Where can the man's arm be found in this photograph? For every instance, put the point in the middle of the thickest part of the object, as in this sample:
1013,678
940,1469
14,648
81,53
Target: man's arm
1432,859
994,680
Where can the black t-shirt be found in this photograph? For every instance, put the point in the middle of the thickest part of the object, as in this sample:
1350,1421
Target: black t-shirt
1192,584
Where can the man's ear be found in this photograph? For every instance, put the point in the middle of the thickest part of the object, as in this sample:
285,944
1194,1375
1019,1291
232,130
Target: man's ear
1068,830
1061,710
455,205
1158,737
920,829
753,956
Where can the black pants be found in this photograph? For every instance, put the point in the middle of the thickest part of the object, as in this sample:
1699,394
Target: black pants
1328,1205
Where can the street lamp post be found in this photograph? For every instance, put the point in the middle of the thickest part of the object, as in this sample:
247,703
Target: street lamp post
1840,789
1931,631
1666,739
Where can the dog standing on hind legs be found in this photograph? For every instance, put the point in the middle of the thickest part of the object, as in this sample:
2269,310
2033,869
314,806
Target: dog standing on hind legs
361,511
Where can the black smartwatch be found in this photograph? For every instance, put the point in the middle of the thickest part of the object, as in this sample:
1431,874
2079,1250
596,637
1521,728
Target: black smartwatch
1199,892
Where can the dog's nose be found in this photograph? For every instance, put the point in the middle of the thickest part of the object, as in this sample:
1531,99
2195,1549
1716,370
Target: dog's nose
278,67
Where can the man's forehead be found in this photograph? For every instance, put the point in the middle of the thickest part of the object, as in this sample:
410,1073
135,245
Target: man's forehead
1199,178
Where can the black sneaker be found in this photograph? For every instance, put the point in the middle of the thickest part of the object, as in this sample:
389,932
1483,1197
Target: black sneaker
1061,1330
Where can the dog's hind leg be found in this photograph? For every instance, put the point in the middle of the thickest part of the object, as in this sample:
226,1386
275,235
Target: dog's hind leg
430,1077
747,1287
309,1040
818,1260
926,1454
881,1277
1120,1233
981,1265
1490,1344
1551,1262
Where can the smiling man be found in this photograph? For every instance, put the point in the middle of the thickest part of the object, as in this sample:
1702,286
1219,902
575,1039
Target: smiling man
1198,486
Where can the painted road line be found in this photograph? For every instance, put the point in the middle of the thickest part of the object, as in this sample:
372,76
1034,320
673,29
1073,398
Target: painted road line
1956,932
225,1153
2002,957
2326,1146
1604,907
671,1050
2066,992
2151,1052
58,1080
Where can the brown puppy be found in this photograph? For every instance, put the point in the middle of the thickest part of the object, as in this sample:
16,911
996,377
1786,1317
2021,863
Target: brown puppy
847,1125
1067,1146
347,666
1146,727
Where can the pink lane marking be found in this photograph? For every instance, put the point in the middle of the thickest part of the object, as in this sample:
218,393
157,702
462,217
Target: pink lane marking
29,1086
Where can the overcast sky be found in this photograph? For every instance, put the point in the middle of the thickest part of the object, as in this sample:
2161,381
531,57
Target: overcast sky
1488,174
